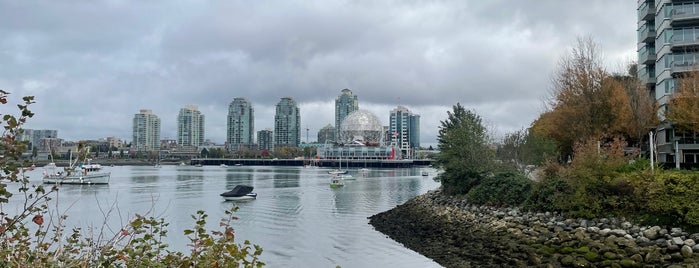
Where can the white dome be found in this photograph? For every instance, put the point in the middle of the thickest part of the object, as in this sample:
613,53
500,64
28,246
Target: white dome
361,125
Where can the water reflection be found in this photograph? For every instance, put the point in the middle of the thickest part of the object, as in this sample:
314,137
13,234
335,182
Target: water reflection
297,218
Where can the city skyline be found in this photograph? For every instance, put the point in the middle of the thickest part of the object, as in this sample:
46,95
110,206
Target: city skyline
88,64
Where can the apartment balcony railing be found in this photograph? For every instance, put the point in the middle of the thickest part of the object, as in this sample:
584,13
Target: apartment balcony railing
683,66
681,45
647,58
647,11
683,16
647,36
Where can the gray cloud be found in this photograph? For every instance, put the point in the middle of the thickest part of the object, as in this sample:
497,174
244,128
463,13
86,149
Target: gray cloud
93,64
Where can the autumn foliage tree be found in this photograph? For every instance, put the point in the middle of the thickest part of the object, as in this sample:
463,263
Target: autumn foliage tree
586,101
683,109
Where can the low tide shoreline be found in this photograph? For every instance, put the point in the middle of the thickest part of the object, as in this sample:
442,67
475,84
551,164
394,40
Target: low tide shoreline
456,234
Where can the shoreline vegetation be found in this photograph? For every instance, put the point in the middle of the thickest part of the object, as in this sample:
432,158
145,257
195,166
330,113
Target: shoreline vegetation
578,188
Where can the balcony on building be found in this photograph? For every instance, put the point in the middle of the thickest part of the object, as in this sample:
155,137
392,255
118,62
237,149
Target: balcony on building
682,15
685,39
646,11
646,34
646,55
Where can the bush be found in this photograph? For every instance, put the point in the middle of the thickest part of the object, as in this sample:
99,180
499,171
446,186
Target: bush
509,188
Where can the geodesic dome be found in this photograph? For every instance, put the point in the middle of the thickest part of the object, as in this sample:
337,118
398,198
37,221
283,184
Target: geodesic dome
361,126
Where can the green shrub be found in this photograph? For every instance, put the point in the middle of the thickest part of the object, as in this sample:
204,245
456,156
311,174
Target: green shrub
508,188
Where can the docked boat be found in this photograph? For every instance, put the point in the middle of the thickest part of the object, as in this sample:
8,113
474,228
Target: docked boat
223,165
337,182
425,174
240,192
80,174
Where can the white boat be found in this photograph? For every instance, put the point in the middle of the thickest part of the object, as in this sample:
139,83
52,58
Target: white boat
224,165
80,174
182,164
425,173
240,192
336,182
337,172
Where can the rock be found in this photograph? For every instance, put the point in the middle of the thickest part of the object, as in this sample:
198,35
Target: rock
662,232
567,260
694,237
686,251
626,225
593,229
628,263
696,247
591,256
580,262
605,232
676,232
677,241
610,255
653,257
690,242
652,233
637,258
618,232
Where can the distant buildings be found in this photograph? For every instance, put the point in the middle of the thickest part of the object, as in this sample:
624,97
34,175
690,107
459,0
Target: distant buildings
36,138
327,134
287,124
345,104
190,127
404,130
241,124
146,131
265,140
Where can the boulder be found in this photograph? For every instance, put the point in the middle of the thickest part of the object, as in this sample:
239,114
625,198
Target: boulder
686,251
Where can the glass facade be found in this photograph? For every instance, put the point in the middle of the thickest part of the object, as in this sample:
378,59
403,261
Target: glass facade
287,124
241,124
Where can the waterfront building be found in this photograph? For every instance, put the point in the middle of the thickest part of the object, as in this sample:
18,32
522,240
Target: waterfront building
115,142
146,131
34,137
327,134
265,139
345,103
190,126
668,47
287,124
404,129
241,125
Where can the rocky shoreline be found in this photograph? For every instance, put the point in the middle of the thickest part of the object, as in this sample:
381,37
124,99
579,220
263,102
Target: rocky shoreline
457,234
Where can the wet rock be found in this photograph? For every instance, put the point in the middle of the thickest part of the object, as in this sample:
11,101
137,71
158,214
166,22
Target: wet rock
686,251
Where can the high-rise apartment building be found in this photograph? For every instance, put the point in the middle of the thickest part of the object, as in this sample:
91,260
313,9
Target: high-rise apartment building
190,126
404,129
146,131
668,47
327,134
265,140
35,137
345,103
287,124
241,124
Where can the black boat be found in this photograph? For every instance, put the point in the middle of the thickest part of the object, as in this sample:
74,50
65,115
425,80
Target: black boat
240,192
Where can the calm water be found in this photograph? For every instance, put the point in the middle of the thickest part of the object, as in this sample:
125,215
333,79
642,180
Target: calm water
297,218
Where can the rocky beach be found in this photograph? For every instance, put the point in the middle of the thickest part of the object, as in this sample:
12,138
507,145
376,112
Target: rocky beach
456,234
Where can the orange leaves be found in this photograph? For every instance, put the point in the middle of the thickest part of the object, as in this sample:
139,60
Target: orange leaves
38,219
683,109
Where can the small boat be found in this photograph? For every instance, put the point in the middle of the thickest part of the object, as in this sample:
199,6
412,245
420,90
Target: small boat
337,171
337,182
240,192
224,165
81,174
182,164
425,174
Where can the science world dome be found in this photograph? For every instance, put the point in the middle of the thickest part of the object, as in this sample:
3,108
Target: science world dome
361,126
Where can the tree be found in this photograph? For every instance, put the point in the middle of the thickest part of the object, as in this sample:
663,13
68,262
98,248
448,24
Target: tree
643,108
683,109
465,153
586,101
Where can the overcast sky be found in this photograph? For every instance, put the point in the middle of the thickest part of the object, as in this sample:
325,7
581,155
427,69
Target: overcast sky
92,65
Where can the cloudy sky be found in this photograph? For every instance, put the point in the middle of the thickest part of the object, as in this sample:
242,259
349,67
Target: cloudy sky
93,64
